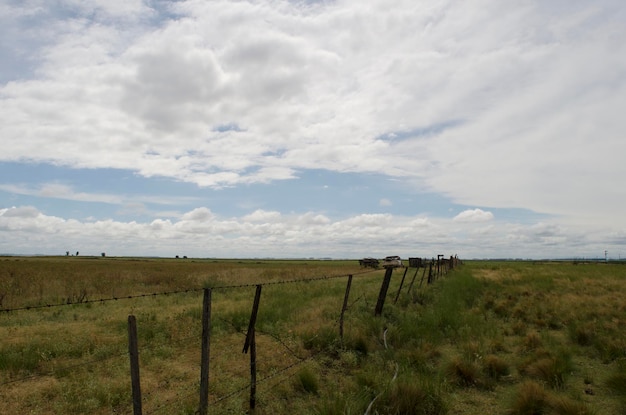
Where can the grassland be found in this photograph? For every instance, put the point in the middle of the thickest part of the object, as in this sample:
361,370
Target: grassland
488,338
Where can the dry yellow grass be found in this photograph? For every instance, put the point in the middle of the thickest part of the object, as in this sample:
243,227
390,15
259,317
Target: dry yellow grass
508,324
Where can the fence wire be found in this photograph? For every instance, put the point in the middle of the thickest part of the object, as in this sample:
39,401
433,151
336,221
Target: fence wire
175,292
186,395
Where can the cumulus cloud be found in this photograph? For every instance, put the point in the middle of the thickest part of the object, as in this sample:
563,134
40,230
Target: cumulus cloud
20,212
262,216
478,104
321,86
198,215
473,215
67,192
201,233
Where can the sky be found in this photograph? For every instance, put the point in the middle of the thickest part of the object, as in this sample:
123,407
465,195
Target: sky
313,129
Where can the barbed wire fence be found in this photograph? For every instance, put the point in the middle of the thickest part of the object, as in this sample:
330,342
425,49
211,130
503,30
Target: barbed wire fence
195,389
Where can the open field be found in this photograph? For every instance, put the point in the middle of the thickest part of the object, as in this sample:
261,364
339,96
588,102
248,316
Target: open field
488,338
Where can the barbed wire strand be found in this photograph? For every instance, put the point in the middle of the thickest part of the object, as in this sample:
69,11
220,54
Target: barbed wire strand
188,290
264,379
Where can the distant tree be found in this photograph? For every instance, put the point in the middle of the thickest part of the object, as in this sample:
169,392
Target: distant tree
67,253
176,256
103,255
76,253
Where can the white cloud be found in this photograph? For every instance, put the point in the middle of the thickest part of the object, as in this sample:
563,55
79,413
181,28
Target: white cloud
514,105
198,215
20,212
66,192
385,202
204,234
473,215
262,216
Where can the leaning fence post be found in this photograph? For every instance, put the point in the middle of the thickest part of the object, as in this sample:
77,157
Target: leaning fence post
383,291
255,310
251,345
133,352
423,274
205,354
252,371
345,306
401,283
430,271
408,290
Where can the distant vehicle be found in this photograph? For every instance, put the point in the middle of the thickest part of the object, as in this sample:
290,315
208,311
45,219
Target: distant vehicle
393,261
369,262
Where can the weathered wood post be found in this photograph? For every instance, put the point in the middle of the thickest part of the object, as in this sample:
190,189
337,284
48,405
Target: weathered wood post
205,354
383,291
423,274
439,265
250,344
401,283
133,351
252,371
413,280
430,271
344,307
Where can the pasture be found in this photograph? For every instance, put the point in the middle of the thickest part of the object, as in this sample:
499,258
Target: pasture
487,338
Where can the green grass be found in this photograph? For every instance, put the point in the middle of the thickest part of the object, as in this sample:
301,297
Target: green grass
488,338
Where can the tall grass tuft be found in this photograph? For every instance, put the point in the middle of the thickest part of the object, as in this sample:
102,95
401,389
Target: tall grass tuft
552,369
463,372
412,396
582,334
530,399
307,382
565,406
495,367
617,382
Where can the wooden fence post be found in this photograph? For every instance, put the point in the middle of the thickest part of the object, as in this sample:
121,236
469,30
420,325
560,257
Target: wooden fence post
133,352
430,272
205,354
255,310
439,265
401,283
344,307
422,279
413,280
250,344
252,371
383,292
